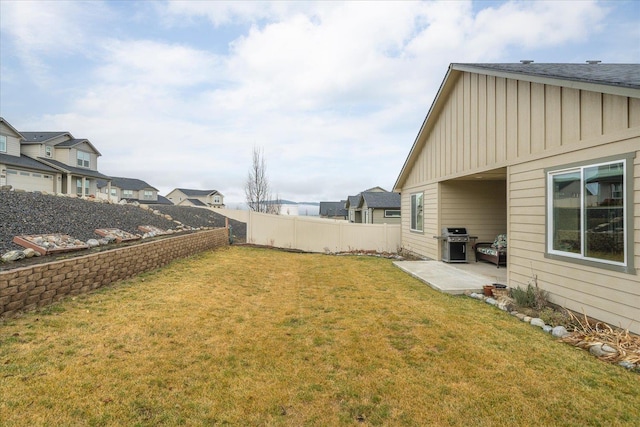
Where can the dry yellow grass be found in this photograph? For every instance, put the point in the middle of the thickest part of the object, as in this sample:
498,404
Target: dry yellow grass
258,337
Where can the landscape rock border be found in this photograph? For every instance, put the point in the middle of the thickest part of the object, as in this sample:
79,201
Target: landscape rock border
601,351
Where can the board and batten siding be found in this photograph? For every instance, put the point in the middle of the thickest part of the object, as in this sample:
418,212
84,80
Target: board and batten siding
487,122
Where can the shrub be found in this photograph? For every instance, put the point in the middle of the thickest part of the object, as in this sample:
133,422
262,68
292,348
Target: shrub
532,297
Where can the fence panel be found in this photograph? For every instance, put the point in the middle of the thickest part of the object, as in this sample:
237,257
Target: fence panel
317,234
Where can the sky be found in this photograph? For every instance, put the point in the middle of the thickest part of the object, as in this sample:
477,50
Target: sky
180,93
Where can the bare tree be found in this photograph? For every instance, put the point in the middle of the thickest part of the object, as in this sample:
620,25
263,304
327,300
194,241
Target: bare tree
257,189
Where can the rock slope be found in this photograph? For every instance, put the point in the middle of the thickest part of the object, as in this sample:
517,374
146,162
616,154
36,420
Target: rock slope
24,213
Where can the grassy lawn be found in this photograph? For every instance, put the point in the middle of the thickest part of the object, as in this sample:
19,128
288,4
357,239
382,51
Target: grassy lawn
245,336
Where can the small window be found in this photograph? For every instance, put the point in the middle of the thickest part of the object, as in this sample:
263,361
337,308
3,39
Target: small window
390,213
114,192
3,144
216,199
24,173
37,175
84,159
12,172
47,150
416,212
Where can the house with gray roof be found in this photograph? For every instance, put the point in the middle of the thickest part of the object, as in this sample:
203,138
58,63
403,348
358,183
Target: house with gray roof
188,197
354,212
20,171
131,189
75,160
379,207
546,156
334,210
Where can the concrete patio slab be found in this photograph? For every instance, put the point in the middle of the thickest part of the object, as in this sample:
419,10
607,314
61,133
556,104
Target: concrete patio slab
454,278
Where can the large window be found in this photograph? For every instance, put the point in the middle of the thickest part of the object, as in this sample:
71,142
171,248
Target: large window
416,212
3,144
127,194
84,159
587,212
148,195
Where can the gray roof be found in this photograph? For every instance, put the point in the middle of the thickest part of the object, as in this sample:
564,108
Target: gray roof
197,202
161,201
71,143
333,208
39,137
621,75
196,193
352,201
381,200
71,169
126,184
25,162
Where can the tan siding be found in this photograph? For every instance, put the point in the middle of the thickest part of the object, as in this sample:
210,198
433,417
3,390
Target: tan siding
634,112
607,295
480,206
481,141
553,117
591,112
523,124
538,120
570,115
511,119
421,243
614,113
491,120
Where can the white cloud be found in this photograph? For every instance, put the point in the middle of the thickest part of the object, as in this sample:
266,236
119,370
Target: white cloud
334,92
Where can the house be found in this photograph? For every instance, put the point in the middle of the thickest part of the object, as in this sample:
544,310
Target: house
76,160
550,155
131,189
354,210
379,207
22,172
335,210
188,197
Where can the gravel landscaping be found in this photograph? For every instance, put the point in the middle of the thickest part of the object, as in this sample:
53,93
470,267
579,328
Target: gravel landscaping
24,213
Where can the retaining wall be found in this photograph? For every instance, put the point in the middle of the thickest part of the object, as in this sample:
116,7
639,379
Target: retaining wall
39,285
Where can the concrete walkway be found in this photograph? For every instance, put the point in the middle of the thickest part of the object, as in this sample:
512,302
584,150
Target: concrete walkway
454,278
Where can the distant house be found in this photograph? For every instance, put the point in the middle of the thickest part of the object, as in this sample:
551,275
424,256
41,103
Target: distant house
22,172
379,207
54,162
354,210
131,189
75,159
335,210
189,197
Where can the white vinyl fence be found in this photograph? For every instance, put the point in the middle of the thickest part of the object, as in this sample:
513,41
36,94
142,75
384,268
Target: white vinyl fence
314,234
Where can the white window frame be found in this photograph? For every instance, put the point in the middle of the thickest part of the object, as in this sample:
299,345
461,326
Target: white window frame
416,221
627,179
83,159
127,194
3,144
48,150
148,195
392,213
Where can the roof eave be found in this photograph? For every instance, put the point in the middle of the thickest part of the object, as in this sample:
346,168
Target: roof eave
611,89
413,153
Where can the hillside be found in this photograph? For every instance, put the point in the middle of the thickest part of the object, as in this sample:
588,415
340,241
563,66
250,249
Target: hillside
24,213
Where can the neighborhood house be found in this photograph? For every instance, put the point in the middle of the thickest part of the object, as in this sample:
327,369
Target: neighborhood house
54,162
202,198
545,159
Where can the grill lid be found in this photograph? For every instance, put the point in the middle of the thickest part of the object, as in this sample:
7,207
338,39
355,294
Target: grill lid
454,231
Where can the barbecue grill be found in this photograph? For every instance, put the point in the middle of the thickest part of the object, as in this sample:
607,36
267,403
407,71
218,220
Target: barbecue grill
454,244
